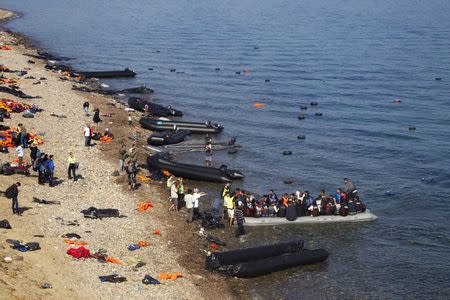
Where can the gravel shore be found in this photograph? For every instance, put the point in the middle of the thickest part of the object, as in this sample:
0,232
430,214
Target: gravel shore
176,250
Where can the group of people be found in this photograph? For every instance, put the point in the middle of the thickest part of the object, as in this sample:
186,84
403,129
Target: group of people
342,202
180,195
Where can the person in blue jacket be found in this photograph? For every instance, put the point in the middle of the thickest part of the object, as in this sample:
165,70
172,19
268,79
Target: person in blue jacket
50,168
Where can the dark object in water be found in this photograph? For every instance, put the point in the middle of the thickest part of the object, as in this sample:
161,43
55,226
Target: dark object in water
106,74
238,72
314,103
318,114
5,224
143,89
301,117
411,128
193,127
255,48
173,70
42,201
153,108
303,107
389,193
14,92
138,90
438,78
95,213
112,278
150,69
168,137
289,181
257,261
267,80
195,172
301,137
217,69
232,150
287,152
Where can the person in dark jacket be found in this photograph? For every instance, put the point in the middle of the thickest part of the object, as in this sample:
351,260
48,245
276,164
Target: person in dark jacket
350,188
50,169
13,192
42,161
96,118
239,217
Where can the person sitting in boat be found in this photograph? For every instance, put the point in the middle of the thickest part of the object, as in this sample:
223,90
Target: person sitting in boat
359,205
313,210
272,197
350,188
329,207
249,206
285,199
291,212
309,201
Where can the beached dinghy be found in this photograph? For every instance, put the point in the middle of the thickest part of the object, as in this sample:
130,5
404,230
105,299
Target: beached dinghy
106,74
153,108
193,127
167,137
195,172
366,216
258,261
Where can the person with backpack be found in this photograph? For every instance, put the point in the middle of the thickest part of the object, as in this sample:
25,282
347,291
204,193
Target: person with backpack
13,193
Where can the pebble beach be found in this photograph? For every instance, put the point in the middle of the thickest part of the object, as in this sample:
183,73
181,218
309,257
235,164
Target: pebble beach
61,124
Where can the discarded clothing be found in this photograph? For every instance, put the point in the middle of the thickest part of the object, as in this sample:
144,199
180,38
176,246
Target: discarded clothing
71,236
32,246
214,246
143,243
16,93
170,276
42,201
5,224
157,232
95,213
150,280
112,278
76,243
112,260
133,247
143,206
80,252
216,240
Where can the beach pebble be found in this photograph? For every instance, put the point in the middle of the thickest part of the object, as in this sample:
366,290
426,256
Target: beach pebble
8,259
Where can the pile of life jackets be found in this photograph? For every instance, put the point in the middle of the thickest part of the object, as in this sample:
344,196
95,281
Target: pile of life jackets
7,138
5,47
105,138
13,106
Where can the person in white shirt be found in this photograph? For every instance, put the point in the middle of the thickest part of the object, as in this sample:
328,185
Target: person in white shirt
197,195
19,151
87,136
190,199
174,196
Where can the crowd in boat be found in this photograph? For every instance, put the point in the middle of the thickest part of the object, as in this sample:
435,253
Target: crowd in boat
344,201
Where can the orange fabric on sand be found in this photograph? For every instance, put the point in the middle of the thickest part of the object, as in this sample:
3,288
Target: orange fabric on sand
143,178
5,47
157,232
76,243
170,276
143,206
109,259
143,243
106,139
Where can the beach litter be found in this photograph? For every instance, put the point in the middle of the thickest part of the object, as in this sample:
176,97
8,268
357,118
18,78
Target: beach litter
144,206
114,278
170,276
5,224
150,280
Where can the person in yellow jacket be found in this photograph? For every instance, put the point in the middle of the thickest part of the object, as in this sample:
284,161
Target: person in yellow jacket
180,190
73,165
228,202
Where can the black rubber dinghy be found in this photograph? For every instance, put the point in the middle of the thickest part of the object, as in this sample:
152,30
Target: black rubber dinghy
258,261
153,108
195,172
193,127
107,74
167,137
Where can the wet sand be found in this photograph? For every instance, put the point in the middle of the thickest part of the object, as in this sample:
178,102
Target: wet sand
178,249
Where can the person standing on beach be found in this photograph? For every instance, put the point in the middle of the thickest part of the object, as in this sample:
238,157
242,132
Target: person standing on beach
87,136
35,153
239,216
174,196
50,169
190,200
13,193
131,170
42,161
86,108
229,205
96,117
19,151
122,157
72,167
23,136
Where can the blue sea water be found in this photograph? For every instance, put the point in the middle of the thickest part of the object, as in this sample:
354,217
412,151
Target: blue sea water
353,57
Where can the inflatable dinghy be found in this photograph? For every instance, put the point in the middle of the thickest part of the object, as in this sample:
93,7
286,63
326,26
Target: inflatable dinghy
258,261
153,108
107,74
167,137
193,127
195,172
